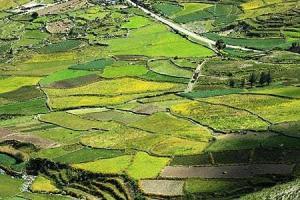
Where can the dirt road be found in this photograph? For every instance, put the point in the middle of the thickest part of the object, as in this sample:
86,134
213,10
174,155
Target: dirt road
179,28
194,78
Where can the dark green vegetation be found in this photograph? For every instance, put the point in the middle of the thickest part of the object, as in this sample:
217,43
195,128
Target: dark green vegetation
98,100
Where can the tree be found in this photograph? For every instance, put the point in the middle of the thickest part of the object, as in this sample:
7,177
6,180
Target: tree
243,83
220,44
231,83
268,78
295,47
252,79
263,78
11,51
34,15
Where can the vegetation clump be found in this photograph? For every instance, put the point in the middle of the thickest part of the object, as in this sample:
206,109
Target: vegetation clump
102,99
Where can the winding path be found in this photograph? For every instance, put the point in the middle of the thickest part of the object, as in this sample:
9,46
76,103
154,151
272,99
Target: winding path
181,29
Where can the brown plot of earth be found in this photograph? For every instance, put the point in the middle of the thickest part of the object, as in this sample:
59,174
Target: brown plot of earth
227,171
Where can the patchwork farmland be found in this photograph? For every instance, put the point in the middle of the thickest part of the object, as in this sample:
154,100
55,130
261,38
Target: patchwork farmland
134,100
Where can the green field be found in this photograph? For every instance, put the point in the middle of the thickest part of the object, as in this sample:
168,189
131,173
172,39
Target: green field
156,40
236,142
293,92
163,123
124,71
13,83
108,100
75,122
62,75
255,43
139,168
111,166
9,187
136,22
167,68
210,186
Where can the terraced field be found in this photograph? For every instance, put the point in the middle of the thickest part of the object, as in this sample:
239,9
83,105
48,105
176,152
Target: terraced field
94,101
240,23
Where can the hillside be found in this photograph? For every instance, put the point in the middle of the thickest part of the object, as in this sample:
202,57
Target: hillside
149,99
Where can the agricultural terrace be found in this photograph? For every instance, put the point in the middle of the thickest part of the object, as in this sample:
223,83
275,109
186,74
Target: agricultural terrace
94,101
239,23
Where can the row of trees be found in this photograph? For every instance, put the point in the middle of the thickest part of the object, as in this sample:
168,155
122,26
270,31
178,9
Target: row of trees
263,79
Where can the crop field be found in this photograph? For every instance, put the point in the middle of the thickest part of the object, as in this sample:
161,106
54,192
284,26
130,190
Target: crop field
42,184
126,71
236,142
165,124
9,186
292,92
274,109
136,22
88,154
238,172
167,8
93,65
139,168
288,190
115,115
28,107
12,83
90,101
162,187
115,87
112,100
287,128
263,19
62,75
156,40
254,43
75,122
167,68
111,166
219,117
210,186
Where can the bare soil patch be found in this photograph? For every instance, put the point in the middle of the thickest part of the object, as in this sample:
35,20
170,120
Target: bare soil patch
59,26
35,140
131,57
76,82
4,132
147,109
162,187
227,171
62,7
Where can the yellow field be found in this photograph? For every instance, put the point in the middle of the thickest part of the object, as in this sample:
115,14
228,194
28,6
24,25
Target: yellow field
219,117
253,4
42,184
78,101
116,87
275,109
109,166
13,83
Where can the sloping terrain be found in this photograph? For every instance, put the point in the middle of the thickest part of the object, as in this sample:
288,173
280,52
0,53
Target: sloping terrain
99,100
